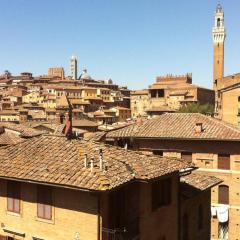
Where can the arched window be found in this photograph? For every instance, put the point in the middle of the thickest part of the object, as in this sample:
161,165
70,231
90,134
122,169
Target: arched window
218,22
200,217
223,194
185,227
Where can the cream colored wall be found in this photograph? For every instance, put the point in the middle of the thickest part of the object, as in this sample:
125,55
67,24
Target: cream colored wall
174,101
230,106
230,178
10,118
75,213
33,97
138,104
89,93
49,104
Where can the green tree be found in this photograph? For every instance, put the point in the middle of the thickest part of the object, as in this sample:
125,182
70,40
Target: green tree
197,108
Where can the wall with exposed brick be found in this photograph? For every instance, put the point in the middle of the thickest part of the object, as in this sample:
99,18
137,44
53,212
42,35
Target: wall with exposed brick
190,207
74,213
205,156
163,222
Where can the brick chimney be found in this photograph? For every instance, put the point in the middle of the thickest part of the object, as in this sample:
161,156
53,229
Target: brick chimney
198,127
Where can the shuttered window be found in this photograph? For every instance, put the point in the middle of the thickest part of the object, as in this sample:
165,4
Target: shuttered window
187,156
224,161
13,196
223,194
44,202
161,193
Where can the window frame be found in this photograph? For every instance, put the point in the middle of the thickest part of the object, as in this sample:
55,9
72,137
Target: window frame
224,161
187,156
13,197
221,198
161,193
44,203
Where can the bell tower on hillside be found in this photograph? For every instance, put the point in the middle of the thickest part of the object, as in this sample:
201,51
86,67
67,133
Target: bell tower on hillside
219,35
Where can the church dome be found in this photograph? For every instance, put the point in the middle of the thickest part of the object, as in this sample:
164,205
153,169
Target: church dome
85,75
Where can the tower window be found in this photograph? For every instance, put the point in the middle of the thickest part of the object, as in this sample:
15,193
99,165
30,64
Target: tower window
218,22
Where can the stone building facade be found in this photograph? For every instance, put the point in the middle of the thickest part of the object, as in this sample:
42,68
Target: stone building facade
168,94
139,103
72,189
228,101
212,145
56,72
227,92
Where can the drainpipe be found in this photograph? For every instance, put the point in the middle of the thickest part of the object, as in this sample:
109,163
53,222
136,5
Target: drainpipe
179,210
99,217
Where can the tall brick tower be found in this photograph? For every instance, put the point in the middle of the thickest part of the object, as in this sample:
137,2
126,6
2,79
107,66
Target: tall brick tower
219,35
73,67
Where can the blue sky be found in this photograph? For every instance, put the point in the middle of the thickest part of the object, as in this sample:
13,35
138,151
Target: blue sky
129,41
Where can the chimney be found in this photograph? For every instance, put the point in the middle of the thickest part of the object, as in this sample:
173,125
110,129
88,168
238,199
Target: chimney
92,164
101,159
86,161
198,127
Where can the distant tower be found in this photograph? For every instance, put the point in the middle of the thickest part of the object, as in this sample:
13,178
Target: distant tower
219,35
73,67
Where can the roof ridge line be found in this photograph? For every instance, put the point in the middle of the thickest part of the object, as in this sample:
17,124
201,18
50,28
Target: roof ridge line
223,124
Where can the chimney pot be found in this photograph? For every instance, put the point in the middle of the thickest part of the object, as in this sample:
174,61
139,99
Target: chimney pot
198,127
101,159
86,161
92,164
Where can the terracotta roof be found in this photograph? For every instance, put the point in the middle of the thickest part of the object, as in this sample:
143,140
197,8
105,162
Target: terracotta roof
50,109
77,110
121,108
96,136
8,138
78,101
180,126
22,129
55,160
83,123
63,101
48,127
8,112
195,182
